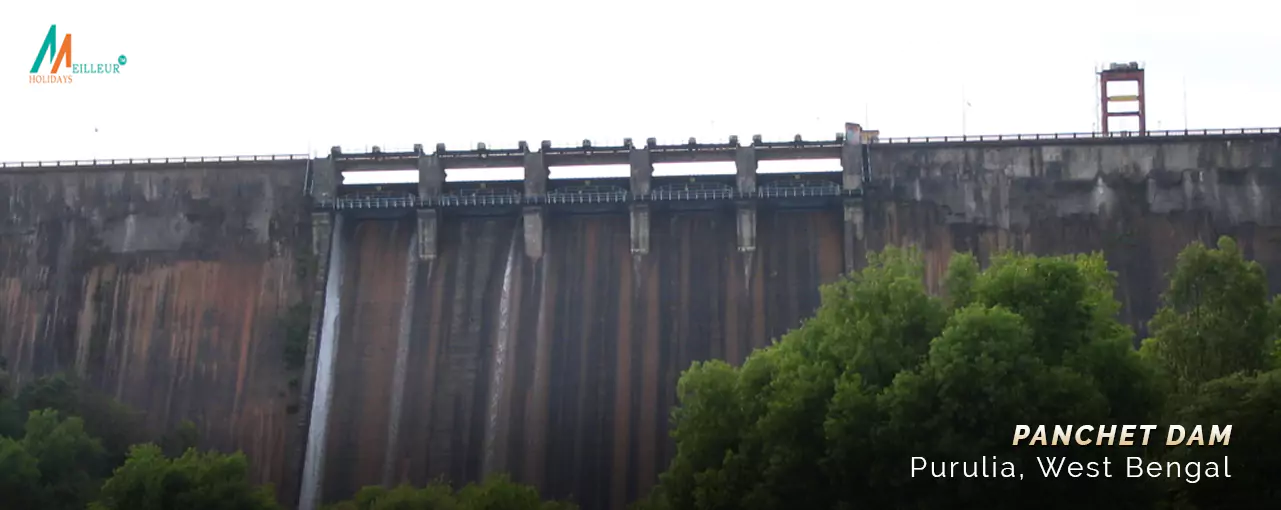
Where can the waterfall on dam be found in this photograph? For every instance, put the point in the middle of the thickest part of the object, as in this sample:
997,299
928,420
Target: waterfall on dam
314,460
501,342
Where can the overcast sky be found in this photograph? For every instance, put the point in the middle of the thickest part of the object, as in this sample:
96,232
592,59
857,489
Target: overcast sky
262,77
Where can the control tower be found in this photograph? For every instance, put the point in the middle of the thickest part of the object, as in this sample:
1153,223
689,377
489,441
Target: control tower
1122,73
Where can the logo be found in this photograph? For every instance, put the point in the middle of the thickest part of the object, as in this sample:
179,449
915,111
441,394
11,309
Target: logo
59,58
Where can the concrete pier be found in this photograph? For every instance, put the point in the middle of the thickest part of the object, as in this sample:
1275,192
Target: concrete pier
745,184
853,174
855,247
428,234
642,176
640,228
536,175
325,177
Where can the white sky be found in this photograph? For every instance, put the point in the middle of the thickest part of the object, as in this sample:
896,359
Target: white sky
261,77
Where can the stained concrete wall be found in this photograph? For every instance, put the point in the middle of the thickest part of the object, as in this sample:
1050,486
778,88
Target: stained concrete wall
164,287
1140,202
559,365
561,368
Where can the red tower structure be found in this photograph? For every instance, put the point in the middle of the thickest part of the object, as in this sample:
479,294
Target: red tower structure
1121,73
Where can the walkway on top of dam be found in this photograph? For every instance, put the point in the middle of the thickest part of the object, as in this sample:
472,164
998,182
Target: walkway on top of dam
323,179
850,149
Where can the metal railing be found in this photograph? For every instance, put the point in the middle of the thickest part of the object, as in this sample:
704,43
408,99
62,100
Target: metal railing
694,191
679,146
1077,136
477,200
588,195
350,202
667,193
796,189
154,161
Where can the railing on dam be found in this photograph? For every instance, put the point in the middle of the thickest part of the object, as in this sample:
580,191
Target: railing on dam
1077,136
189,160
589,151
699,192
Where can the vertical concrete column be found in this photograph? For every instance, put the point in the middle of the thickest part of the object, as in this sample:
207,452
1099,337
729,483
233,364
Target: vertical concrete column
642,177
642,170
325,177
533,221
745,163
854,246
431,186
746,226
428,228
853,166
536,175
431,178
640,227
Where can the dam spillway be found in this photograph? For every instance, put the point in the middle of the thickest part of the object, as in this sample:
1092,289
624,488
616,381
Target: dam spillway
538,326
594,338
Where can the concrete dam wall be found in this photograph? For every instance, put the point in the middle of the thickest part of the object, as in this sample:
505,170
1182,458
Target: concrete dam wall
161,285
559,369
538,327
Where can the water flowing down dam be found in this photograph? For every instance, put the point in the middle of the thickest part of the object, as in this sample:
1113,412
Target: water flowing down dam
538,326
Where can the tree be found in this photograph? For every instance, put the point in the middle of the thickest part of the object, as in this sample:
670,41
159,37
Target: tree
436,496
11,418
1249,403
19,473
829,416
195,481
1215,319
67,458
497,492
116,425
51,466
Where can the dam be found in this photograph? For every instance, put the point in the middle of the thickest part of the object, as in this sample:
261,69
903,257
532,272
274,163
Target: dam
538,326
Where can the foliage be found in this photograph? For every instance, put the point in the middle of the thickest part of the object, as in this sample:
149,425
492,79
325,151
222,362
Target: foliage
51,466
181,439
149,480
11,418
829,416
1249,402
1215,319
496,493
116,425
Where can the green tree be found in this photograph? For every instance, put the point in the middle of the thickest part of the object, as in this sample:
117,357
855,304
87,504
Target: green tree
497,492
19,474
51,466
11,419
180,439
436,496
1215,319
149,480
1250,404
67,458
829,416
116,425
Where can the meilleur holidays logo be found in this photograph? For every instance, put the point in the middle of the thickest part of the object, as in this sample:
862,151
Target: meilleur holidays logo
61,69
